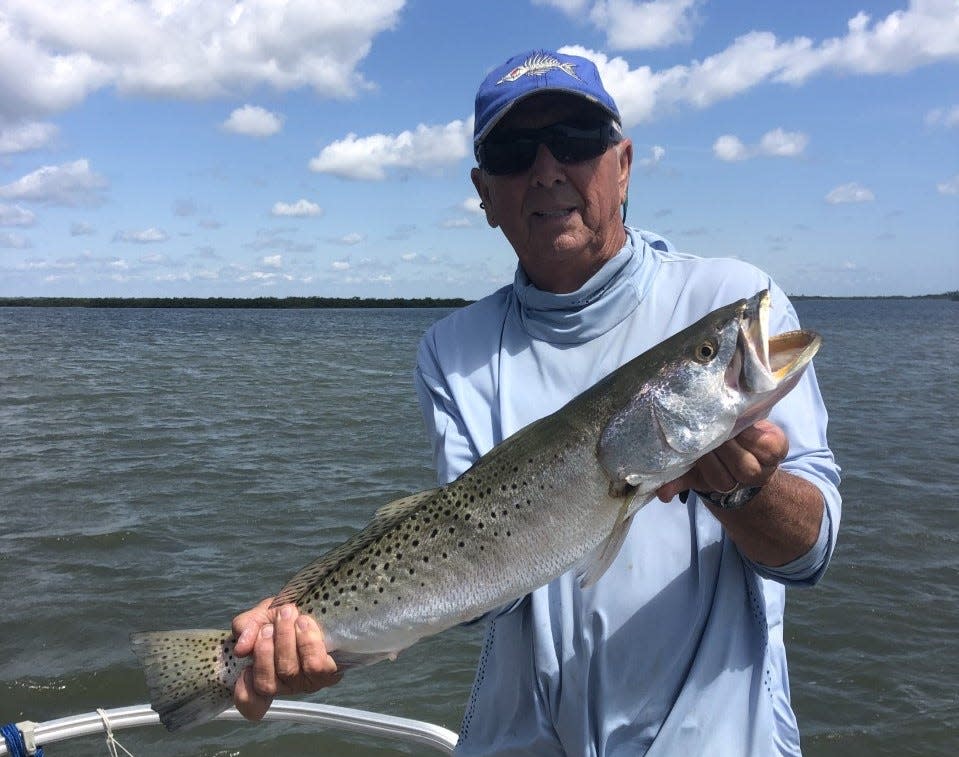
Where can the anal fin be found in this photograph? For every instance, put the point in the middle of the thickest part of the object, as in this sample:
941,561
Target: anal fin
347,660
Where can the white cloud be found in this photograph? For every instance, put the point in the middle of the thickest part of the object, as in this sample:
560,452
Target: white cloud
14,241
655,157
472,205
71,184
52,55
368,158
14,215
146,236
775,143
340,265
949,186
784,144
273,261
299,209
948,117
849,193
631,25
926,32
273,239
730,148
456,223
570,7
402,232
253,121
26,136
81,229
351,239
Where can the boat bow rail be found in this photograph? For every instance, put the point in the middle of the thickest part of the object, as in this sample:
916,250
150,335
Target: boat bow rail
310,713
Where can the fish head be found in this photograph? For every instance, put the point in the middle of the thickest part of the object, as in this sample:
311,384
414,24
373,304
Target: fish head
716,378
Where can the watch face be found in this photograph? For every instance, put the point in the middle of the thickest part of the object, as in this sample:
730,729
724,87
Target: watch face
740,497
733,500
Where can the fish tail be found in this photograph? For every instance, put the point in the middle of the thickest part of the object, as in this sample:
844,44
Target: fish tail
190,674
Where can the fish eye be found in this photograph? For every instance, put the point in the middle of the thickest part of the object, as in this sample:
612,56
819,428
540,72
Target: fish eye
705,351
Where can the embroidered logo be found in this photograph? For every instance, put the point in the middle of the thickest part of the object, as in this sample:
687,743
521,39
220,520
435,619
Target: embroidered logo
538,65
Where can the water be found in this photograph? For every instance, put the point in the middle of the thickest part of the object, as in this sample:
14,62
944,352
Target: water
162,468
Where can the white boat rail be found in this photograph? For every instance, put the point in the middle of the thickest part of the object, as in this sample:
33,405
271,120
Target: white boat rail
326,715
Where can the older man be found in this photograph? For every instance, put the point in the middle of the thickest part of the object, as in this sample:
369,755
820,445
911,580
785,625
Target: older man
678,648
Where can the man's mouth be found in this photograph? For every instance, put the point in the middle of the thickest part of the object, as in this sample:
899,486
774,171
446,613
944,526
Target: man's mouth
556,213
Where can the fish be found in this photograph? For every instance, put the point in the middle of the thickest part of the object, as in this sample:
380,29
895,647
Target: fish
558,495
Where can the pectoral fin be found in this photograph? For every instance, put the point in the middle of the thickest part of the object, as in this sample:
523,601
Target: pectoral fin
599,560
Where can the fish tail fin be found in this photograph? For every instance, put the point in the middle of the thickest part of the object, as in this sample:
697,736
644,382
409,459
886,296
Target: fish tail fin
190,674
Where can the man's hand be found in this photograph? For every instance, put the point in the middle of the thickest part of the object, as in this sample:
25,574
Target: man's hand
782,521
748,459
289,657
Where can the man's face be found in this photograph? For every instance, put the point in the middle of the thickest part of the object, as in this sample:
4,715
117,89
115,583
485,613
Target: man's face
563,220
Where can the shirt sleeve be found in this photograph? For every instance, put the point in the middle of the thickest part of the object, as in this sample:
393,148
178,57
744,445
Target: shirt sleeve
802,415
453,451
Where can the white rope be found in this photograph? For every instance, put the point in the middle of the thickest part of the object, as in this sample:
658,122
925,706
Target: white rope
112,743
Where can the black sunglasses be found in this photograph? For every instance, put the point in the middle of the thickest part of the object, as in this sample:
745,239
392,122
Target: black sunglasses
514,150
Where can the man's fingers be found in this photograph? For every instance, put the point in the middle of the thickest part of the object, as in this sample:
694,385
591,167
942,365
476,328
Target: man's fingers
264,671
286,655
250,705
766,441
714,474
319,669
743,466
247,625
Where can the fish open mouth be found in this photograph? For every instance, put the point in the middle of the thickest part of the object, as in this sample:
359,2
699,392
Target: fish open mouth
766,363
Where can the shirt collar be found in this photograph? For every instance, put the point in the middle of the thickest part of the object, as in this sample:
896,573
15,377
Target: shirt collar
603,302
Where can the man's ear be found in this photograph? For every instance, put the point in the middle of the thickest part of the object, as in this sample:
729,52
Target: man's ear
482,189
625,164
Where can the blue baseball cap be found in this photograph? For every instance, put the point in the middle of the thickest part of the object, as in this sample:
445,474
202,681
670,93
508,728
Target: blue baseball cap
532,73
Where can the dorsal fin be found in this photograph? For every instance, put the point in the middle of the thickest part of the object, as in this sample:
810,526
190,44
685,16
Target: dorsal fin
383,520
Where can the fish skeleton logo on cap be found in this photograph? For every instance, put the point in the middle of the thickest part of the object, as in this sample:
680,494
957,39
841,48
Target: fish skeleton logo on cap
538,65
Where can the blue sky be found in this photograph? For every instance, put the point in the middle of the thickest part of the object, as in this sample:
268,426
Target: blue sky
213,148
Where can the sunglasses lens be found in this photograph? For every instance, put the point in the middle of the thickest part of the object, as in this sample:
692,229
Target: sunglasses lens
500,158
570,148
515,151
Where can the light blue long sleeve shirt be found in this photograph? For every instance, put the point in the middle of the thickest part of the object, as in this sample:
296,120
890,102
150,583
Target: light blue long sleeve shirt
678,648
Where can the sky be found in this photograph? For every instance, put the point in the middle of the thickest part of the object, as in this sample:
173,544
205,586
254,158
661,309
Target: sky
322,147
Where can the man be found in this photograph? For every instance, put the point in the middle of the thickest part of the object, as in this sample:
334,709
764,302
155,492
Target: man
678,649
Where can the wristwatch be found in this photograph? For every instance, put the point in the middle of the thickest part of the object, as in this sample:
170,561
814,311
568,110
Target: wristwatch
733,500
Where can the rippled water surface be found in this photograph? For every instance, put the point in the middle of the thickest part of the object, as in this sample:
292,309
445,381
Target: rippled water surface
162,468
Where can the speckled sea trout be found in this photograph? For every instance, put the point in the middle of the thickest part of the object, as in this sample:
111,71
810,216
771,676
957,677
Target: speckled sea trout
557,495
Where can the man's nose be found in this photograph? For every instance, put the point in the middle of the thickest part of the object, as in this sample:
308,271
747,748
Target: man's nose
546,170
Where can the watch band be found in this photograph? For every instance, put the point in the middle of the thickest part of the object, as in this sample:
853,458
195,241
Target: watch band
734,500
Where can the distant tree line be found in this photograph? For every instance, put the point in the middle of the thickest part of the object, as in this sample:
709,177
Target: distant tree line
326,302
233,302
944,296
